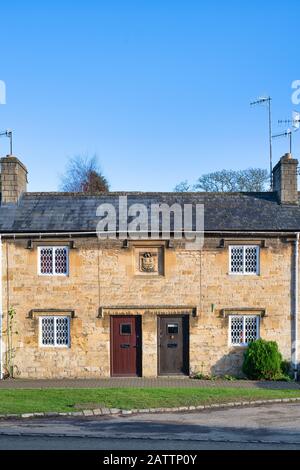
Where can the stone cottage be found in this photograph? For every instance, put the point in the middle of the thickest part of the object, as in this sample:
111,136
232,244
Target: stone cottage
89,306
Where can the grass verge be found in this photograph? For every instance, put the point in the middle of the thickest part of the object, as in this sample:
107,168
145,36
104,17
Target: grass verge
62,400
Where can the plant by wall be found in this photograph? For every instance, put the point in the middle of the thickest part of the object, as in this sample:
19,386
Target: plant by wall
263,360
10,332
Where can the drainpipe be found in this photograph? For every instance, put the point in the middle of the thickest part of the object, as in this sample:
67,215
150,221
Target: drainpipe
1,313
296,307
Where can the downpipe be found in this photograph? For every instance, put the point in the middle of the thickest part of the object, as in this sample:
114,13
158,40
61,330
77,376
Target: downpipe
1,313
296,313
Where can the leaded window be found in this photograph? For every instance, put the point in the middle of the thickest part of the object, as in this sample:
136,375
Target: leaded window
243,329
244,259
53,260
55,331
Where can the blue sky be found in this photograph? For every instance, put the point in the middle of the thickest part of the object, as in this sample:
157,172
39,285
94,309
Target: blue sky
159,89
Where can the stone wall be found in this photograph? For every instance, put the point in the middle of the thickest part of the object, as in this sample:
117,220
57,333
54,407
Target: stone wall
103,274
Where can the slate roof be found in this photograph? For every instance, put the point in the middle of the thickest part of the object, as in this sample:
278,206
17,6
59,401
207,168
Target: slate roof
63,212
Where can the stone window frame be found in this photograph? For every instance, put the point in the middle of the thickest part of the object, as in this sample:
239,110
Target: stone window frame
244,247
53,248
55,345
244,344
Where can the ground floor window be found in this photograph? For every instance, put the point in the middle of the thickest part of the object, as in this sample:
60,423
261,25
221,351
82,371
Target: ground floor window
55,331
243,329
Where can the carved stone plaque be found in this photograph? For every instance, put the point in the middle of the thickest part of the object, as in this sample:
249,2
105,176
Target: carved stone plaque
148,260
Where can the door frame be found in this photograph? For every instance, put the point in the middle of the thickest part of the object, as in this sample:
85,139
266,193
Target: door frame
185,344
139,365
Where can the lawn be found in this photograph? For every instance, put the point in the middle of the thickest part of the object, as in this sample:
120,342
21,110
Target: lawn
62,400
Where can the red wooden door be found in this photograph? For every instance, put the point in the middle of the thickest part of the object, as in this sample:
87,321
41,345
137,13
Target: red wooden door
125,346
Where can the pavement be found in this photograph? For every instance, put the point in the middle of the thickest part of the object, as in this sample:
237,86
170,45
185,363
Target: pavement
262,427
119,382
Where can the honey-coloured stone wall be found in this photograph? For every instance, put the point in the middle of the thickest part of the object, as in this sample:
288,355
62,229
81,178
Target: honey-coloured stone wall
103,274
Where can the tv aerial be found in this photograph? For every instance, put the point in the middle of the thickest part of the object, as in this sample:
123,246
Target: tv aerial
268,101
295,123
9,135
287,133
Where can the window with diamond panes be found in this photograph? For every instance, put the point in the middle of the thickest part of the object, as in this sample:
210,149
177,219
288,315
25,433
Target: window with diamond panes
53,261
244,259
46,260
47,325
243,329
54,331
236,259
61,260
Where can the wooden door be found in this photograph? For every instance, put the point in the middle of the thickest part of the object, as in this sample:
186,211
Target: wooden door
125,346
173,345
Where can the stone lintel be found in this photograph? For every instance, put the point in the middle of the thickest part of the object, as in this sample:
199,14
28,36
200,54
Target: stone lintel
51,312
156,310
225,242
226,312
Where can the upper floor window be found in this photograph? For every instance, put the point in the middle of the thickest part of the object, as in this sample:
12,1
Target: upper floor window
243,329
53,260
55,331
244,259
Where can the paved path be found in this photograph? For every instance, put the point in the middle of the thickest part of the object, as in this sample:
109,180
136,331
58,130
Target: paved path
184,382
265,427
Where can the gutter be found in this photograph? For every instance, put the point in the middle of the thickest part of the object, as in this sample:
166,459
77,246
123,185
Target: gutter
62,234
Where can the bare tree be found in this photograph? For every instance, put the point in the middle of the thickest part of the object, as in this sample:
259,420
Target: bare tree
83,174
250,180
253,180
183,187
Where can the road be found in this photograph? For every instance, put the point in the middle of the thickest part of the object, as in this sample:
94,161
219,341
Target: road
265,427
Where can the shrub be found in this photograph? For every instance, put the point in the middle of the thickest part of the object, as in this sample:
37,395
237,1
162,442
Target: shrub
231,378
201,376
262,360
286,368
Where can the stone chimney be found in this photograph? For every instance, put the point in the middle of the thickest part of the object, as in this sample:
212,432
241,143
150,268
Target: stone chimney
13,179
285,178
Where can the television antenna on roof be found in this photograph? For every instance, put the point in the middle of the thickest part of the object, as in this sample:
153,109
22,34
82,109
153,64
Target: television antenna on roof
268,101
295,122
287,133
9,135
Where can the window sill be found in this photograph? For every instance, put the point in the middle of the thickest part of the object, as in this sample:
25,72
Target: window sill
244,274
149,276
53,275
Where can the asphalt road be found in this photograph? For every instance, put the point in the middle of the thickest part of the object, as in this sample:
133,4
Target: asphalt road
69,443
265,427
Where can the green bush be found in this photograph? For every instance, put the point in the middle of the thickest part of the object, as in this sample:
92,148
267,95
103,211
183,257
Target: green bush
262,360
286,368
